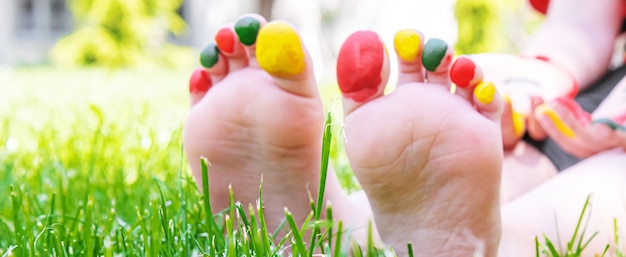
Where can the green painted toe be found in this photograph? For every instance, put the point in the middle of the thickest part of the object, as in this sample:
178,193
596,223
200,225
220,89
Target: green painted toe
434,52
247,28
209,55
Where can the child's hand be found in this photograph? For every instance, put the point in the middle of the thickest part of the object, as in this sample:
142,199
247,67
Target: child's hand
573,130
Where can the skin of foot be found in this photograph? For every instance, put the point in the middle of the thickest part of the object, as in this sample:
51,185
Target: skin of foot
256,113
428,160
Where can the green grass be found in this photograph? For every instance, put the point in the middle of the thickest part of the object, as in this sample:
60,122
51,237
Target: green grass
91,164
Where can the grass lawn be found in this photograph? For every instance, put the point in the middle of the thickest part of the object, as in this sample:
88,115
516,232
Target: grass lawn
91,164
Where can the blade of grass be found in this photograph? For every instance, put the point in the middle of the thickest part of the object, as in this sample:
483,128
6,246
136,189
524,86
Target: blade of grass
299,250
570,244
338,239
550,246
326,141
183,204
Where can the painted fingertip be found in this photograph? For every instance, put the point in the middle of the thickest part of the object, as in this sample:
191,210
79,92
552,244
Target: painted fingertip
574,108
610,123
247,28
465,73
279,50
546,110
209,55
225,39
485,92
434,53
519,119
200,81
360,65
407,44
519,123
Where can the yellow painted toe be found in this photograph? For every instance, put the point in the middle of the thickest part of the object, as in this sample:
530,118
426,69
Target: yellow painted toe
407,44
279,50
485,92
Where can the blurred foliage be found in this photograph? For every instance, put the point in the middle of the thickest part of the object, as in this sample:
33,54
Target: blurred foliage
121,33
494,25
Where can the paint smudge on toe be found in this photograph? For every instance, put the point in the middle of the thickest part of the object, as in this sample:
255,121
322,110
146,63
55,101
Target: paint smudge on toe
225,39
433,54
556,120
407,44
200,81
464,73
279,50
359,65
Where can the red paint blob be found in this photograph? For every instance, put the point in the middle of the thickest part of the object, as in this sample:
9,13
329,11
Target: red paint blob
200,81
225,40
540,5
359,65
576,110
462,72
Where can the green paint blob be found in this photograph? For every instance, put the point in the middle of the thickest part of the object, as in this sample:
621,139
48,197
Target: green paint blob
209,55
434,51
612,124
247,29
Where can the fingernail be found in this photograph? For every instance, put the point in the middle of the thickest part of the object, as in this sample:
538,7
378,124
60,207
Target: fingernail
434,51
558,122
407,44
209,55
610,123
485,92
279,50
200,81
247,29
225,40
464,72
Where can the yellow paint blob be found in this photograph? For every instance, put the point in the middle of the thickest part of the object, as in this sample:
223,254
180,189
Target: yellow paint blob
518,119
518,124
407,44
545,109
279,50
485,92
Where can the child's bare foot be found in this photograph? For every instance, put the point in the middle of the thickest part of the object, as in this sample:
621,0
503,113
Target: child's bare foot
256,112
428,160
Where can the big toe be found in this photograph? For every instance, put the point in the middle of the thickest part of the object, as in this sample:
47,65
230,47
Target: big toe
362,69
281,53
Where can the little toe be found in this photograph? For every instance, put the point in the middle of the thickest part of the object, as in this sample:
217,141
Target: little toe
199,84
408,44
362,69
